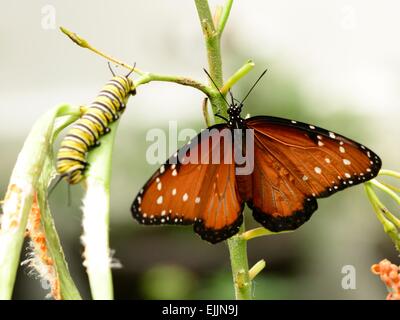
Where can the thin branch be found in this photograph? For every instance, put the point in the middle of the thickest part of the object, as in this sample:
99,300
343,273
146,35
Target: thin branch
256,269
391,173
384,216
245,69
260,232
224,17
146,77
385,189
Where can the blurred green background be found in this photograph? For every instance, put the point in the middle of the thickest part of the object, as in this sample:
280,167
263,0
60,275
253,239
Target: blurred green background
333,64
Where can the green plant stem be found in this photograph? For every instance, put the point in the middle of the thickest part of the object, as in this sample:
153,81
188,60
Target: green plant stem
260,232
67,288
391,173
256,269
96,216
205,112
18,201
146,77
236,244
240,267
385,189
376,202
391,187
212,41
245,69
389,222
149,77
224,17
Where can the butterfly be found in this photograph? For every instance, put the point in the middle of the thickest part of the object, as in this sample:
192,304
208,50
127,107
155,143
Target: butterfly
292,164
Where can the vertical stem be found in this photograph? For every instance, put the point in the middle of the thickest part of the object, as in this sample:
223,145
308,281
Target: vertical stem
18,200
96,216
240,267
237,245
212,40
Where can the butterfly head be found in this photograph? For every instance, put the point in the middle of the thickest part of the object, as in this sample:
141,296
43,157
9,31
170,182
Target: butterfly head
234,110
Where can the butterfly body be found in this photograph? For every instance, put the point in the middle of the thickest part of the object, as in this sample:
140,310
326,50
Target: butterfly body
293,164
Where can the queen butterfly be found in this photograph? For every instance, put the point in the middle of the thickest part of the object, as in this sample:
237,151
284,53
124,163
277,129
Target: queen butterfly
294,163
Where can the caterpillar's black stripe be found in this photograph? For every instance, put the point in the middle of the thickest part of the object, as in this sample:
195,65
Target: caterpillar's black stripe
97,119
104,108
74,149
108,106
116,83
73,159
106,93
85,127
78,138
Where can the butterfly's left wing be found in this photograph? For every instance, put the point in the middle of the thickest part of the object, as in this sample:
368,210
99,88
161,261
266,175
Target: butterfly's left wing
203,194
295,163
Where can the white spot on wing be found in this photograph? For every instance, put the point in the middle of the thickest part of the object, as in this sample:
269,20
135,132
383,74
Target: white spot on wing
332,135
320,143
342,150
346,162
317,170
185,197
173,191
327,160
174,172
160,200
305,178
162,169
197,200
311,126
347,175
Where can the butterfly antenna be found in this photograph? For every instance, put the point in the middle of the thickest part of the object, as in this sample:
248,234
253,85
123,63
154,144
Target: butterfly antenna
232,98
133,69
215,85
59,178
69,195
112,71
255,83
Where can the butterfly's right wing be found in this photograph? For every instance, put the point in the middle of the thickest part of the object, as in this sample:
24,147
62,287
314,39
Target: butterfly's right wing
295,163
